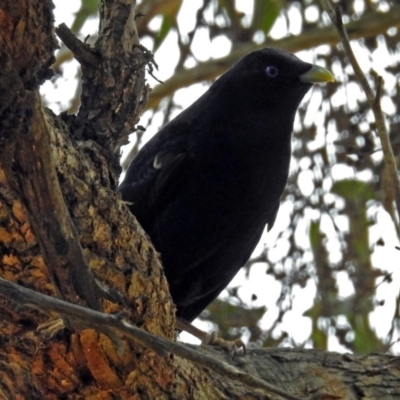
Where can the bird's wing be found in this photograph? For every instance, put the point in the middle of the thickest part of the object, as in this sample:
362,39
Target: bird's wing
171,172
153,176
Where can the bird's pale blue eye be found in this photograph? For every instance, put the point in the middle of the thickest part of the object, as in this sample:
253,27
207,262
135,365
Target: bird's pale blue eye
272,71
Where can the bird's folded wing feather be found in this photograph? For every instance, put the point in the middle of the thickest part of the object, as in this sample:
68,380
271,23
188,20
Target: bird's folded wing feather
155,174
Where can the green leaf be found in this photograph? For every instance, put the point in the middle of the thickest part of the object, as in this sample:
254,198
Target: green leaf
169,12
265,14
315,235
166,26
353,190
88,9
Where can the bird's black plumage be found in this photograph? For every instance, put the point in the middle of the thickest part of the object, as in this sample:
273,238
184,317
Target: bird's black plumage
208,183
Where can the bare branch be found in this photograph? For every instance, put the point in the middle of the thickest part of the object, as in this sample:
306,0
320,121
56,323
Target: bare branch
373,100
81,51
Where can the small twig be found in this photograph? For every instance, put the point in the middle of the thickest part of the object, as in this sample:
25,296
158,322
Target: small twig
234,347
149,60
374,100
114,323
80,50
386,145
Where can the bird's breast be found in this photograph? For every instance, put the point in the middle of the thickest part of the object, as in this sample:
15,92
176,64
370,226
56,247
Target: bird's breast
247,176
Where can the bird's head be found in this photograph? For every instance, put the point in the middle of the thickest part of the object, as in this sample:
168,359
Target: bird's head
270,79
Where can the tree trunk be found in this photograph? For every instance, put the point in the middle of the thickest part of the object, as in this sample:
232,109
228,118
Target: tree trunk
64,229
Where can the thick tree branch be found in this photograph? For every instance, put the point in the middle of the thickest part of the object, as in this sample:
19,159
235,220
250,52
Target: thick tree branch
115,324
26,143
319,375
113,92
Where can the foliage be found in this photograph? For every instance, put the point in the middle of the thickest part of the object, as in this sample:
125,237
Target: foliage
337,227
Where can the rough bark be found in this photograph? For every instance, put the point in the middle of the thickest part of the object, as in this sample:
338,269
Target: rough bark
64,229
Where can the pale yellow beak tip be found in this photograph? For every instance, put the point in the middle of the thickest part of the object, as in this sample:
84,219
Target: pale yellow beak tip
317,74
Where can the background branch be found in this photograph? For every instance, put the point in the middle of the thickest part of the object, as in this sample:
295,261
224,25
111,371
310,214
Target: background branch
374,100
368,25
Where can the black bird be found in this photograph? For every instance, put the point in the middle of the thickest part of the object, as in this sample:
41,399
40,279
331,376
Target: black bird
206,185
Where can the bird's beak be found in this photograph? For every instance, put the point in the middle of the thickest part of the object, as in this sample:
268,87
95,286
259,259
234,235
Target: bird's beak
317,75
